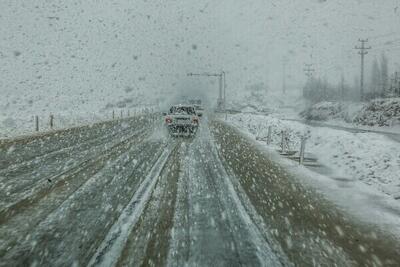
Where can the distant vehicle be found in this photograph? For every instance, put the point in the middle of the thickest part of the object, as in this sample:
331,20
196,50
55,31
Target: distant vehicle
182,119
199,110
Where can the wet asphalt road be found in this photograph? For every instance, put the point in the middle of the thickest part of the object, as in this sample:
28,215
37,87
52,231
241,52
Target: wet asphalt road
126,194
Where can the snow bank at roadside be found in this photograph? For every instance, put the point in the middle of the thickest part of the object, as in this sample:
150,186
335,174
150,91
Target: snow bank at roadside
325,110
380,112
368,157
376,113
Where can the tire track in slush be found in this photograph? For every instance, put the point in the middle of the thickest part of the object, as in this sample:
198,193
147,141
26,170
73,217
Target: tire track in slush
44,167
31,147
55,199
110,250
155,225
18,168
213,228
61,180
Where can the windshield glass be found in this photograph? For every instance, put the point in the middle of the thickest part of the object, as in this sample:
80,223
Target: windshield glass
199,133
183,110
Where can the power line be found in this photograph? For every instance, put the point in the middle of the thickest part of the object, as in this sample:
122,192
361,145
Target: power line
391,49
284,64
362,52
388,45
381,35
385,41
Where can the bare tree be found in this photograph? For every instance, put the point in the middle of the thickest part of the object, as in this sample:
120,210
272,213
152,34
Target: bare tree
375,79
384,74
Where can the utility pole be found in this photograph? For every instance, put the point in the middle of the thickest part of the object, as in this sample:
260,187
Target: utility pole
398,86
309,73
222,87
309,70
325,88
342,87
37,123
395,84
284,62
220,100
51,121
224,81
362,52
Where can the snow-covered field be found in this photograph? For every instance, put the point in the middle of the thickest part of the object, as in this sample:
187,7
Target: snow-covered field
368,157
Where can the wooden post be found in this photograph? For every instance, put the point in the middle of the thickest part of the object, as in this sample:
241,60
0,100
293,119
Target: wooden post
269,136
51,121
302,149
113,115
283,141
37,123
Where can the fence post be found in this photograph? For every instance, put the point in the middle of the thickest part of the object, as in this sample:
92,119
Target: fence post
37,123
283,141
51,121
113,115
269,135
302,149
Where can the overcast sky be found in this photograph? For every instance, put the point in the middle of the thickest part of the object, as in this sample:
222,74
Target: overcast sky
68,50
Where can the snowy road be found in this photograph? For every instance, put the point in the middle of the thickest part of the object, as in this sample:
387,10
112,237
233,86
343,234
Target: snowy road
126,194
